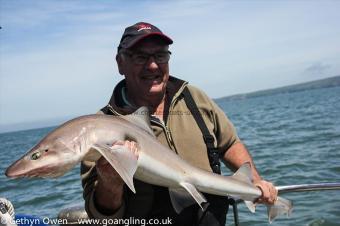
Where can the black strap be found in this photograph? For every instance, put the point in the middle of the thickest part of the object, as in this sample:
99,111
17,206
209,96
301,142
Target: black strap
209,141
213,153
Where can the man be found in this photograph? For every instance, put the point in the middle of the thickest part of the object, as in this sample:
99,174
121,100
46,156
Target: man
143,56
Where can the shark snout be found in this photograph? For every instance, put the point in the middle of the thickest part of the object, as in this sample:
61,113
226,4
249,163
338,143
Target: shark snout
10,172
13,171
17,169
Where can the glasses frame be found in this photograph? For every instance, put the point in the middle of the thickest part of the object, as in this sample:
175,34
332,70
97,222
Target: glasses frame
133,57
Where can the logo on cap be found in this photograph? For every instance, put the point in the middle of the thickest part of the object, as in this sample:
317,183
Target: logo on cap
142,27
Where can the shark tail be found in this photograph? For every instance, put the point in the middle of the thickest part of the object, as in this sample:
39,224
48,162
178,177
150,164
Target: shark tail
280,207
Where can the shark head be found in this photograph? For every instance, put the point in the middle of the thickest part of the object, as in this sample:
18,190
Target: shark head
49,158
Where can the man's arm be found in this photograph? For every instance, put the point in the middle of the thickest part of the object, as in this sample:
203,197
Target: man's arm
235,157
109,191
108,194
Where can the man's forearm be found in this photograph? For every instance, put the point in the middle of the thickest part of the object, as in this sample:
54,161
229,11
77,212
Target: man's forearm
108,200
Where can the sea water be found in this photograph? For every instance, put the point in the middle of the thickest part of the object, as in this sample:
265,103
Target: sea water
294,138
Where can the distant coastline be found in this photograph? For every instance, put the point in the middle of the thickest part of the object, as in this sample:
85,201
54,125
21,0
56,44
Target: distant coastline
317,84
322,83
8,128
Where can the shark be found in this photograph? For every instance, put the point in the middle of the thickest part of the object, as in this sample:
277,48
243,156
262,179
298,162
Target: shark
87,138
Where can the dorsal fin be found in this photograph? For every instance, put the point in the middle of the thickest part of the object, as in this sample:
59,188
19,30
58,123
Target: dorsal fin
141,118
244,173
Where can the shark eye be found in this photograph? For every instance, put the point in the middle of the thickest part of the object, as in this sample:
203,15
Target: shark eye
35,155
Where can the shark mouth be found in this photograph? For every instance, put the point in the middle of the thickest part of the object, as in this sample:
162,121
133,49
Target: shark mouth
44,172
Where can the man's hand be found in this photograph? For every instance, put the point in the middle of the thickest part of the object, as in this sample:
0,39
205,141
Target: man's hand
269,192
107,175
235,157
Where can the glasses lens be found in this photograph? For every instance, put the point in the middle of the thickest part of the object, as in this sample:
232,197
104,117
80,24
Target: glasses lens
162,57
142,58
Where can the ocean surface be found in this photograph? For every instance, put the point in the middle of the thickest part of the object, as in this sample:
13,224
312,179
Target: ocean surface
294,138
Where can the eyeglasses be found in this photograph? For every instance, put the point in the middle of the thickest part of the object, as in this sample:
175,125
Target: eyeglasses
141,58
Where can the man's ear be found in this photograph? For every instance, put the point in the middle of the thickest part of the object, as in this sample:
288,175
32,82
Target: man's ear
119,61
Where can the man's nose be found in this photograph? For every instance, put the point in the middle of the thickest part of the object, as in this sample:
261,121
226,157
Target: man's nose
151,65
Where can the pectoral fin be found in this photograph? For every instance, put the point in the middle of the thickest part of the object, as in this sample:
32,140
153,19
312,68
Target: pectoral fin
122,160
185,196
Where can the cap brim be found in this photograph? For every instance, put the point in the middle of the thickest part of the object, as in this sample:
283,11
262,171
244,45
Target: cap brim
138,39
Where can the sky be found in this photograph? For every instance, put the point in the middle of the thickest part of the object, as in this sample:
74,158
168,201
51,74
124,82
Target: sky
57,58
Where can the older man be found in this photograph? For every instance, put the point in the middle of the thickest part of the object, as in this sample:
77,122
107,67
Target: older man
143,59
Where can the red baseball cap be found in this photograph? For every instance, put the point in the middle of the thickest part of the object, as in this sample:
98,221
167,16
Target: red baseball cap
139,31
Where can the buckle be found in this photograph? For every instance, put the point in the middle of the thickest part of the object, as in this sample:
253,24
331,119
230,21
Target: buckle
214,154
216,168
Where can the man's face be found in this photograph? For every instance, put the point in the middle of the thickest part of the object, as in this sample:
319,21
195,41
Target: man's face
144,80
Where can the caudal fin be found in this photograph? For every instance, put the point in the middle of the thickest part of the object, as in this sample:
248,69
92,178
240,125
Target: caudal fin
281,206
